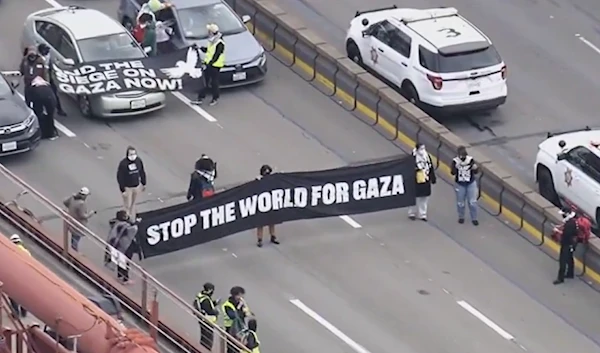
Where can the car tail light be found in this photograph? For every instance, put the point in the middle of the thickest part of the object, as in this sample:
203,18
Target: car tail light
504,72
436,82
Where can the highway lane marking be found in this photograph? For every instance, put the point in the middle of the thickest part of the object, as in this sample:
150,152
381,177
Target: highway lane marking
354,224
588,43
499,330
177,95
511,216
326,324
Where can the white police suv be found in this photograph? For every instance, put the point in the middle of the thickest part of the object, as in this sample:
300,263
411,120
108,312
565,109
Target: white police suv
567,170
439,60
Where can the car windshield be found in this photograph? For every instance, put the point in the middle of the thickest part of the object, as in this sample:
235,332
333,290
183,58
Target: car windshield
4,87
468,61
193,20
111,47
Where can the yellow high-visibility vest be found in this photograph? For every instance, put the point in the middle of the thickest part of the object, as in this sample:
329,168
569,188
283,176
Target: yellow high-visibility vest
227,321
210,52
202,297
20,246
257,349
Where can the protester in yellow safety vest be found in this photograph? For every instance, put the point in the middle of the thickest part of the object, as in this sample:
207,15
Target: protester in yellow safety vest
205,304
250,338
16,239
235,312
213,61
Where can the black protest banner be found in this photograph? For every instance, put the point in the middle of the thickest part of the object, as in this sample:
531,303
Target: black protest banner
170,72
279,198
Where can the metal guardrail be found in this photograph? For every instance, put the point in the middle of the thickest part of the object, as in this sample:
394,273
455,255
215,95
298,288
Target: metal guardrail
391,115
146,288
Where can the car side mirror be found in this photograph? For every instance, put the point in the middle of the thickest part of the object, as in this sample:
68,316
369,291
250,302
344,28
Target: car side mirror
69,62
561,156
246,18
14,84
365,33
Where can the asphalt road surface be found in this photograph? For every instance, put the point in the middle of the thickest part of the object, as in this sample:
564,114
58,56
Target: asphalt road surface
550,47
389,284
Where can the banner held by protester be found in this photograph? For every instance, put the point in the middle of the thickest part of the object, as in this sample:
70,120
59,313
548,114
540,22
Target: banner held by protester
279,198
171,72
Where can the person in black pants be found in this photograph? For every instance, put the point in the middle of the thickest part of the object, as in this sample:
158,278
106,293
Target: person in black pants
214,60
44,106
568,241
44,51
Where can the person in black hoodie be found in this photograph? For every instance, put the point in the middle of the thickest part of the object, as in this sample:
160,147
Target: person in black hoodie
202,180
568,241
131,177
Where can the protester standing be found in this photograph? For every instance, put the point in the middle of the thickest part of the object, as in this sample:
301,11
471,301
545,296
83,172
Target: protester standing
264,171
425,177
250,338
464,170
77,208
568,241
214,60
202,180
235,312
122,239
44,51
131,177
32,66
207,306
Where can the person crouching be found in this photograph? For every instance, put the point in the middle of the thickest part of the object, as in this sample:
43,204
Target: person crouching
425,177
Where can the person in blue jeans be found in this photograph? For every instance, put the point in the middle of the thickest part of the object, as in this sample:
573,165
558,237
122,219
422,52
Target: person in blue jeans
464,170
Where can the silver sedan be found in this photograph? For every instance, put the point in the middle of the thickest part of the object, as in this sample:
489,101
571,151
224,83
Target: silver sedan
77,35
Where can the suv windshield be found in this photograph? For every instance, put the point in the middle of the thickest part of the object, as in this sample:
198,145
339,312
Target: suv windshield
193,20
468,61
111,47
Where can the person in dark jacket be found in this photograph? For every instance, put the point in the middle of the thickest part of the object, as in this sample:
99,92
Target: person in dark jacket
202,180
251,338
568,241
32,66
148,24
207,306
131,177
44,105
235,312
464,169
425,177
44,51
264,171
124,245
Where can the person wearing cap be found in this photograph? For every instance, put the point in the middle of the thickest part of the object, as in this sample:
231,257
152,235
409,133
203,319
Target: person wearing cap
214,60
17,310
44,52
264,171
206,305
568,241
76,205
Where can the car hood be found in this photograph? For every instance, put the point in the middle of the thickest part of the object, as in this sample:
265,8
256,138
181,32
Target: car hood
13,110
240,48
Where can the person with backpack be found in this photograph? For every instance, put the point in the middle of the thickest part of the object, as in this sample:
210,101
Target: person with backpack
568,241
122,244
202,180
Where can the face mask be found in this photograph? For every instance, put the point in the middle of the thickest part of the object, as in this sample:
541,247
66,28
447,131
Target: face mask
132,156
463,157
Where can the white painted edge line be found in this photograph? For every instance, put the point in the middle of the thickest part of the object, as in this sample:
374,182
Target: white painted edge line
177,95
65,130
588,43
354,224
499,330
339,334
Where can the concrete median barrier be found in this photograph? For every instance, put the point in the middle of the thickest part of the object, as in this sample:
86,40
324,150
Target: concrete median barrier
373,101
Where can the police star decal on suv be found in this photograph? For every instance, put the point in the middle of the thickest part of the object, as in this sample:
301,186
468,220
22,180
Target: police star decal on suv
438,59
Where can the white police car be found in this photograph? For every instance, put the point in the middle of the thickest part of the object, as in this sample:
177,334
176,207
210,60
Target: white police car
439,60
567,170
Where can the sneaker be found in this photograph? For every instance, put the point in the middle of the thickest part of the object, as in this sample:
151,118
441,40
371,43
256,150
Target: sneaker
424,219
213,102
475,222
197,102
61,113
274,240
558,281
53,138
412,217
259,243
461,220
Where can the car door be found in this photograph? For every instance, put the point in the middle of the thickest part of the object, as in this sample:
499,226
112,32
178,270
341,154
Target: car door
378,49
574,181
398,57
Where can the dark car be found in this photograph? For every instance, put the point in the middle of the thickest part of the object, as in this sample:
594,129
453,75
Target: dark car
19,127
245,58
